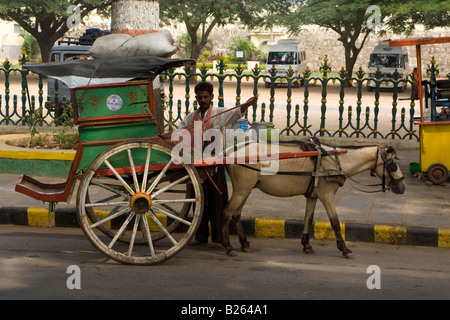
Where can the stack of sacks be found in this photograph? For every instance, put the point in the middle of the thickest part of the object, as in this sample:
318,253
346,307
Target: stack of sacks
158,44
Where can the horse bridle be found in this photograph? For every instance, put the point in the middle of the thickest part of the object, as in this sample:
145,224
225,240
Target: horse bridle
389,166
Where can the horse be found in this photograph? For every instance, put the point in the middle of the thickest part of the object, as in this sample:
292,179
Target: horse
295,176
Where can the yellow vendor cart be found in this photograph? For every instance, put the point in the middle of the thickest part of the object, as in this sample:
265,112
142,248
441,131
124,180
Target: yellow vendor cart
434,123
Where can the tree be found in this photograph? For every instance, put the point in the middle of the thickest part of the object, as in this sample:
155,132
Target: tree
185,44
347,18
49,20
353,21
200,17
249,50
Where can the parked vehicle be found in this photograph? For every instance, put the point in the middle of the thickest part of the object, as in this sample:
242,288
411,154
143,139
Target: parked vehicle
60,53
287,53
387,59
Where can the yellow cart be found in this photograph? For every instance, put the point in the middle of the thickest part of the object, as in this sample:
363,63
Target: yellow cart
434,129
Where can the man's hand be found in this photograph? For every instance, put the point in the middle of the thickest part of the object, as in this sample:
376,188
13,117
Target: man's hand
249,103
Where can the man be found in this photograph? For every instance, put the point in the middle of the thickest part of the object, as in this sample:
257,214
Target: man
215,200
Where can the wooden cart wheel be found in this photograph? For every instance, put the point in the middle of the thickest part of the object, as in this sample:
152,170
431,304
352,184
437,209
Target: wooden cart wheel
183,189
437,173
117,215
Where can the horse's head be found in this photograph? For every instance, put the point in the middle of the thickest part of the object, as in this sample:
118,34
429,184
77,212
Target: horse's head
388,170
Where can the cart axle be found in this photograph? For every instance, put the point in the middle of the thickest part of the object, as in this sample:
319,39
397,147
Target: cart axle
141,203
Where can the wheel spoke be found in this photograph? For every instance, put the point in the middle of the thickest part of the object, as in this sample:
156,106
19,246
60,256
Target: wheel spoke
149,237
159,177
133,236
174,201
118,177
170,215
115,196
133,170
170,186
121,230
159,224
92,205
108,218
147,162
104,186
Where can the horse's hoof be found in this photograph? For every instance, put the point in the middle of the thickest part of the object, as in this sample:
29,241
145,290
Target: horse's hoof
349,255
232,253
309,250
246,247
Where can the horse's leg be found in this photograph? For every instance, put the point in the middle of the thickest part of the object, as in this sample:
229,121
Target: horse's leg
309,215
245,245
227,214
233,211
330,207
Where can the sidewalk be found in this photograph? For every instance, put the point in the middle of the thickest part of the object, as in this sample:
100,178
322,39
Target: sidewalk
421,216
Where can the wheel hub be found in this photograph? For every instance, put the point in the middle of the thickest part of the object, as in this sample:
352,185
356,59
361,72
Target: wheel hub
140,203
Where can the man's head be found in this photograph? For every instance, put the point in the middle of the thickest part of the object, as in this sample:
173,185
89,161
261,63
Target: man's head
204,95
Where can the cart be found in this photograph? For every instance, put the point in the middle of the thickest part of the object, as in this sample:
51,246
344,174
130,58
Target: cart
434,123
135,195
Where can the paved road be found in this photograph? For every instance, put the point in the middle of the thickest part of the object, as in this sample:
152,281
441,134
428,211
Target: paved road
35,262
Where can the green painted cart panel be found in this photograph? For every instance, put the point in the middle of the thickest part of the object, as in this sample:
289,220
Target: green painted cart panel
101,101
127,131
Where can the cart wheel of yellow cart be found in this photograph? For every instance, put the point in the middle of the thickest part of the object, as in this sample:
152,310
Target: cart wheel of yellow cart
437,173
136,193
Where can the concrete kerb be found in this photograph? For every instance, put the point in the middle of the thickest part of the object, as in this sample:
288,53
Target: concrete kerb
391,234
292,229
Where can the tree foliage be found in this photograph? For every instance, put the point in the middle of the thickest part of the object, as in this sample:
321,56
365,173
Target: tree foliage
46,20
350,19
403,16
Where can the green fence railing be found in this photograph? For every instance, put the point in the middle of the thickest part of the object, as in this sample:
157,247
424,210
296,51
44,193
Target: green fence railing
292,113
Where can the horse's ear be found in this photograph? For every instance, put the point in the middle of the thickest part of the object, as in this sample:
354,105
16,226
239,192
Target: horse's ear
390,149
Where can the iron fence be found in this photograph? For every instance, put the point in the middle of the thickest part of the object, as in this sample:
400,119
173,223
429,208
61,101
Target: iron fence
293,117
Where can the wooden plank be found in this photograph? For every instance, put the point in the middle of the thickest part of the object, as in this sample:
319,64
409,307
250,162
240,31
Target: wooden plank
418,41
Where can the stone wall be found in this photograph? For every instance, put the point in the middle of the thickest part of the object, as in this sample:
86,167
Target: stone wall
319,42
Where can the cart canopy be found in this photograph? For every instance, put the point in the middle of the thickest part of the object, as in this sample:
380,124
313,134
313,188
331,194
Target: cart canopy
78,73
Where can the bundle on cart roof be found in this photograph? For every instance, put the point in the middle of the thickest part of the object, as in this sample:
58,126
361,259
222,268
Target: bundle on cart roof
78,73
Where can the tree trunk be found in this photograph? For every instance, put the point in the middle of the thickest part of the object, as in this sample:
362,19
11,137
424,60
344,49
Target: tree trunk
352,50
351,54
197,47
134,17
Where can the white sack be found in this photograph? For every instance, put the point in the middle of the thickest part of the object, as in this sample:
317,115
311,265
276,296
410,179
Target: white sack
158,44
113,46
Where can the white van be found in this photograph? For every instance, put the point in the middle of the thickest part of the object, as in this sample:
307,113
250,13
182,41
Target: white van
388,59
282,55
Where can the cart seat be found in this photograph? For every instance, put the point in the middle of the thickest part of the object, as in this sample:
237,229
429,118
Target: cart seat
50,192
58,192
